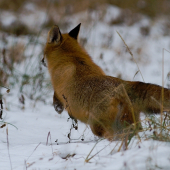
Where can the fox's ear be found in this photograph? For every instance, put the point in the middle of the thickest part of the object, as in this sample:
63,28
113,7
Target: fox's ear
54,35
75,32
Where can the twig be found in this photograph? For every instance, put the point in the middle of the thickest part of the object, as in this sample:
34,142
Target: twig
74,121
120,146
49,135
135,74
114,148
31,164
25,164
87,158
8,89
1,108
33,151
9,124
74,125
8,146
64,143
162,86
162,89
67,105
164,120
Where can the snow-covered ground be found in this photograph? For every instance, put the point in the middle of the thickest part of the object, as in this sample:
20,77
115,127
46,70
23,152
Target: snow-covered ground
31,132
28,148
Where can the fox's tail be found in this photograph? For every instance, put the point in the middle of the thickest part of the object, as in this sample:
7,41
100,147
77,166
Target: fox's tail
149,98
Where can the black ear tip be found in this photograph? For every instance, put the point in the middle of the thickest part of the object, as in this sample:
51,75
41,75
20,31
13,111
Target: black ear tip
74,32
79,25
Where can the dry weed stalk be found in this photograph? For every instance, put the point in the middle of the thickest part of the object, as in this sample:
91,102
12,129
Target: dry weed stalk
87,158
1,102
8,147
162,109
74,121
162,94
1,108
33,151
130,54
160,132
49,135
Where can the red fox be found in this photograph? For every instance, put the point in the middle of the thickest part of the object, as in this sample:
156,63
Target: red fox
107,104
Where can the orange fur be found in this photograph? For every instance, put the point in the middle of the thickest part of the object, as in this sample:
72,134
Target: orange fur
81,87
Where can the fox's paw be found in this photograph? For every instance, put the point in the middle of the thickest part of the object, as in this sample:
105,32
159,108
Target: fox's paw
58,107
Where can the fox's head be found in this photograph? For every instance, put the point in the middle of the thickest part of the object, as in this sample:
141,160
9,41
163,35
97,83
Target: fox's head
61,43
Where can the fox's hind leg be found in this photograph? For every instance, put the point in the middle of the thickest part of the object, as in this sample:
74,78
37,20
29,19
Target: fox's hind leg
128,113
130,118
101,129
58,106
102,118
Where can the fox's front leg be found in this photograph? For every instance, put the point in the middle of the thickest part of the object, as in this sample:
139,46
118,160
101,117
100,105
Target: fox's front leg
58,106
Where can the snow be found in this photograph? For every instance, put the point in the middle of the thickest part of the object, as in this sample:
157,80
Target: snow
30,128
11,18
27,145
